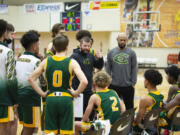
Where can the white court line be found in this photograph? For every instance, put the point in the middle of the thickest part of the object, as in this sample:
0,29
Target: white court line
162,2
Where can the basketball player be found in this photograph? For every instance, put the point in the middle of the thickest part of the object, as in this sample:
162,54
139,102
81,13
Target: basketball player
153,100
58,29
59,70
173,99
29,100
105,101
172,78
8,83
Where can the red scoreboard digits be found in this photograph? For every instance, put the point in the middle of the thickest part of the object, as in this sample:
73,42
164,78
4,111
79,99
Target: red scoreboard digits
72,20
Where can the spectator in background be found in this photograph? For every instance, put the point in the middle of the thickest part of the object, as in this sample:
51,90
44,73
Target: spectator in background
122,66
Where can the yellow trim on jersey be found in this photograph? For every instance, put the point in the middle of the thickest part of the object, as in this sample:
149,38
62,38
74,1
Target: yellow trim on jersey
46,73
71,75
92,51
21,122
44,103
156,93
49,51
64,94
51,131
10,116
106,90
162,122
85,126
36,118
100,109
57,58
150,107
66,132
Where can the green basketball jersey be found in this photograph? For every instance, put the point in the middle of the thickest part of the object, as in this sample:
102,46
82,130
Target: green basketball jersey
49,53
58,74
158,99
109,107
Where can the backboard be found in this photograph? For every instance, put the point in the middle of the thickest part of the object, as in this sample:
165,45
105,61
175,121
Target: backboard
146,21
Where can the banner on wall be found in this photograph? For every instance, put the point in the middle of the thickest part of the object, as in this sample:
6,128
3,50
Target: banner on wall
72,6
98,5
29,8
49,7
3,8
43,7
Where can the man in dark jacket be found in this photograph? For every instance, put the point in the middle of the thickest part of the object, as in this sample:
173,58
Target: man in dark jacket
87,62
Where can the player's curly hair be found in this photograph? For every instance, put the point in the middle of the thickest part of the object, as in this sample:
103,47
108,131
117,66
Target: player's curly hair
173,71
153,76
29,38
83,33
102,79
34,32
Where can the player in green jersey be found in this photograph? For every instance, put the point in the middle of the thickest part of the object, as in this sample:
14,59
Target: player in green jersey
105,101
153,100
173,100
59,71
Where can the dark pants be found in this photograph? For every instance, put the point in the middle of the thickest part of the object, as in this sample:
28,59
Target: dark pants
126,93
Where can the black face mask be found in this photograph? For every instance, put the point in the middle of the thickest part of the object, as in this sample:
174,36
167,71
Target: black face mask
7,41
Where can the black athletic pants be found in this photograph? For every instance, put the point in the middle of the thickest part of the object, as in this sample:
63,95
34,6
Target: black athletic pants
126,93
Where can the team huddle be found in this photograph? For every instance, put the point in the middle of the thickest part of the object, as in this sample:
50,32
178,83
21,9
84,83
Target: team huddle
57,79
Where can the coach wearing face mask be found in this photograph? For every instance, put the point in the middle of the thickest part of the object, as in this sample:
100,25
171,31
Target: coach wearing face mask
122,66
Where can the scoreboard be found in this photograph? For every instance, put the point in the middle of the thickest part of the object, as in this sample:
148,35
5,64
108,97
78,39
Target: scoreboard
72,20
